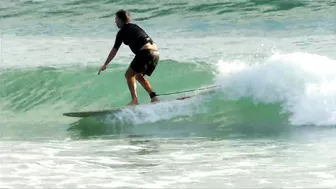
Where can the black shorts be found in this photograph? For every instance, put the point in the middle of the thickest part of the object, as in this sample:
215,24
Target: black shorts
145,61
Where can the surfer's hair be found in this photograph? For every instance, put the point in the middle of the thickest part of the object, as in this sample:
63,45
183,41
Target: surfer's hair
124,15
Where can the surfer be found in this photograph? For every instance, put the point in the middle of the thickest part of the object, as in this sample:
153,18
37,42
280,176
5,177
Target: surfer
145,50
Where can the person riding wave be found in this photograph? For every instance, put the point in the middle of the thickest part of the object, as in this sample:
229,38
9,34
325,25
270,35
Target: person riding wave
145,50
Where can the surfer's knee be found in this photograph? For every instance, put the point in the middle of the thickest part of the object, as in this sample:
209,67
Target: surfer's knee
129,73
139,77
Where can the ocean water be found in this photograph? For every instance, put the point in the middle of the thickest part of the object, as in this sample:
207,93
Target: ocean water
269,123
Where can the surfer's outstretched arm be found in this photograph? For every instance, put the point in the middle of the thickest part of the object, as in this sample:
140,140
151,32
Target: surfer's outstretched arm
113,52
110,57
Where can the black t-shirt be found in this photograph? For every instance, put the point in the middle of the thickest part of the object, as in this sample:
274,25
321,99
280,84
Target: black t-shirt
133,36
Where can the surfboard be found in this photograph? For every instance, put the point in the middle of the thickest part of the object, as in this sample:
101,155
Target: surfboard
83,114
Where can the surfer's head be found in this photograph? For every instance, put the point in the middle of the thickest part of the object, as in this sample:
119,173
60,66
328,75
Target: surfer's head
122,17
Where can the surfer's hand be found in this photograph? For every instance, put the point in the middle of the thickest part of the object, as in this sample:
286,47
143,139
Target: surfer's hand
102,69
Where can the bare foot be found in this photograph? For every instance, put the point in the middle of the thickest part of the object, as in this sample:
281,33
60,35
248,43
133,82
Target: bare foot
133,102
155,99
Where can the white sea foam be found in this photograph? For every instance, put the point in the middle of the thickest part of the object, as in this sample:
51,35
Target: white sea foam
304,83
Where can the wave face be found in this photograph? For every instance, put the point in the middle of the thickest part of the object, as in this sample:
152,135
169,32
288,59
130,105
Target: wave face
284,89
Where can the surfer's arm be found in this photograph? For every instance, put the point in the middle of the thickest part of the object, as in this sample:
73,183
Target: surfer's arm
110,57
115,48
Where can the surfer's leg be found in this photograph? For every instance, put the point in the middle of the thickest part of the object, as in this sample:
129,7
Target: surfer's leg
130,78
147,86
144,63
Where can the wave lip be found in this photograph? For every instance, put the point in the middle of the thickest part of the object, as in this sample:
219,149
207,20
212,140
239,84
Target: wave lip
305,85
